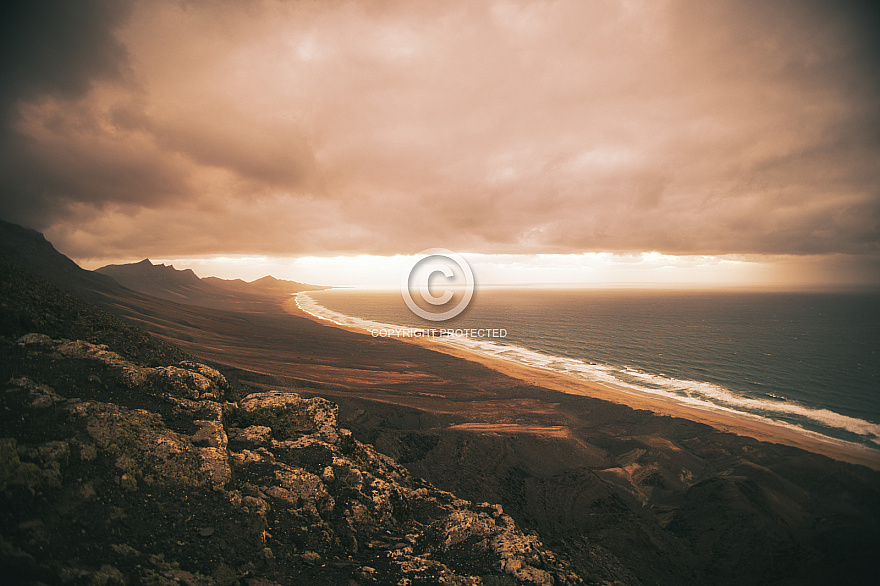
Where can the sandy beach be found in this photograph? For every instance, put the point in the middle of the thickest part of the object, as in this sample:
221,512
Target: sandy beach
762,430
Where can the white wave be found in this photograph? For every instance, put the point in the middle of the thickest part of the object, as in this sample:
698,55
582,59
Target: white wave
698,394
307,304
722,394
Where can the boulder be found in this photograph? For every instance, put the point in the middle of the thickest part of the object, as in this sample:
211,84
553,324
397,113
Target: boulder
289,415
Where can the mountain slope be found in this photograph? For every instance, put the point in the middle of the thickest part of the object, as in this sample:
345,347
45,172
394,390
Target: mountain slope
122,283
184,286
268,285
30,250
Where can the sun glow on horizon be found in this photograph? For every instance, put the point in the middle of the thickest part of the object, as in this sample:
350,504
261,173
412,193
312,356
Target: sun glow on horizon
595,269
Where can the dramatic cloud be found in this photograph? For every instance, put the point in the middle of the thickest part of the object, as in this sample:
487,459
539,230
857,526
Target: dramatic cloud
57,48
322,128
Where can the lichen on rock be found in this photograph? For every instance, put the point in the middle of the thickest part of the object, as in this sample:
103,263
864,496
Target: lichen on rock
289,415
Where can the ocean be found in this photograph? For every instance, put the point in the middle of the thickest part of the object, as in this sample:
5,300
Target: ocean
809,360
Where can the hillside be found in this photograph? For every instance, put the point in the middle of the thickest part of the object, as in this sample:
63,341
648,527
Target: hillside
184,286
268,285
30,250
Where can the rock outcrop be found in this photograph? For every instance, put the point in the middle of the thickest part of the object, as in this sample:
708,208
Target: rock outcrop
115,472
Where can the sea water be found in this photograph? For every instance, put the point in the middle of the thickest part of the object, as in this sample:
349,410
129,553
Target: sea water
809,360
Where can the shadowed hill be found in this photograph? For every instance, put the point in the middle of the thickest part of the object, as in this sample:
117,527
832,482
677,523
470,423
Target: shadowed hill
184,286
115,284
268,285
33,305
30,250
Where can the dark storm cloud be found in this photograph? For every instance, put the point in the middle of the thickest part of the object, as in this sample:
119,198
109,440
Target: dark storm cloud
53,49
59,48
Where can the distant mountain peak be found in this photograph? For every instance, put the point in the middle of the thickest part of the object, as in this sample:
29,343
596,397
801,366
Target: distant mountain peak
185,286
154,279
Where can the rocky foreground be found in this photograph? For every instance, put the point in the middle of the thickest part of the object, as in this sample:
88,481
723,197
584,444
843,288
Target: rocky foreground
115,473
133,464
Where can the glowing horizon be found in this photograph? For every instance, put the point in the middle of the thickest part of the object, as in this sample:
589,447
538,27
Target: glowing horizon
650,269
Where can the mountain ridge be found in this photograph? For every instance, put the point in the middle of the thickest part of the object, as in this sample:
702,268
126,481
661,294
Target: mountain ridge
185,286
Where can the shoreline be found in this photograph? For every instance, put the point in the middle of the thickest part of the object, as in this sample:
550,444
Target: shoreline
741,425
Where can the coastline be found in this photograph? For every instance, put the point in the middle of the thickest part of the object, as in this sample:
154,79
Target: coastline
741,425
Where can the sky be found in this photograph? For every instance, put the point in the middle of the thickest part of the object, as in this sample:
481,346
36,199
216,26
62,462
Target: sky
726,142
